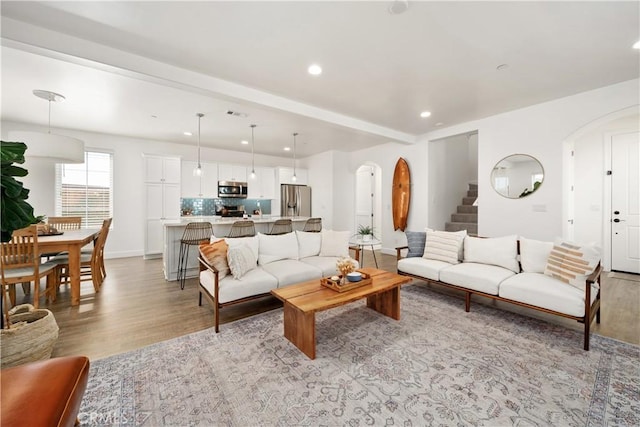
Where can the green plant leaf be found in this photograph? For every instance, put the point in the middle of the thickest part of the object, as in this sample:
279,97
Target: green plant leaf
15,211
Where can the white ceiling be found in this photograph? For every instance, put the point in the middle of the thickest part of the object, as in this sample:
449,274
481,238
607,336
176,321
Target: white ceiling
119,63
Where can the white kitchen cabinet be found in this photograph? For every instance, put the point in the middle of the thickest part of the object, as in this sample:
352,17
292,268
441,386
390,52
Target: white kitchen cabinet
162,169
263,186
162,199
285,176
205,185
227,172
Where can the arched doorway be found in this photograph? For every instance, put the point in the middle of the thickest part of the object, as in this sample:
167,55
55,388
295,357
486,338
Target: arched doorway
588,163
368,209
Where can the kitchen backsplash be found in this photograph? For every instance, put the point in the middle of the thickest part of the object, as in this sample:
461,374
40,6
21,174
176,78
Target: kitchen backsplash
209,207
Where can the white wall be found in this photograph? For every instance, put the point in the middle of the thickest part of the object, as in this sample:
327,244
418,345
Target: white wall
343,186
539,131
320,169
127,236
449,172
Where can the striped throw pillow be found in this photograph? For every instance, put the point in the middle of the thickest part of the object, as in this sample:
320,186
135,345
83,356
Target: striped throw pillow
571,263
216,255
444,245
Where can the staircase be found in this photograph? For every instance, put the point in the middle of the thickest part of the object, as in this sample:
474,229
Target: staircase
466,217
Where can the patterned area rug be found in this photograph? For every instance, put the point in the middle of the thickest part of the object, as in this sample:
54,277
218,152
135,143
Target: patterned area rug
438,366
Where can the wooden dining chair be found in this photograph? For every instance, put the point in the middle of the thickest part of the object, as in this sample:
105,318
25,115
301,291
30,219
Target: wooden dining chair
91,265
281,226
62,223
313,225
244,228
20,263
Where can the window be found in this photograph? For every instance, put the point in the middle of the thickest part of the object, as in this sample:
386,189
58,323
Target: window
86,189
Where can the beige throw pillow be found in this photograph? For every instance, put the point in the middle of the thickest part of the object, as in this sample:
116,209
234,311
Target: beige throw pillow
444,245
571,263
241,260
216,255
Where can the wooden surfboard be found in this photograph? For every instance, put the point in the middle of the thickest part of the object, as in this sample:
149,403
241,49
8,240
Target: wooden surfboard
401,194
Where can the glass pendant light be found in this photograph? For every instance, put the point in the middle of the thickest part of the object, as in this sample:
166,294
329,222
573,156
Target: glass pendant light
294,177
198,170
253,163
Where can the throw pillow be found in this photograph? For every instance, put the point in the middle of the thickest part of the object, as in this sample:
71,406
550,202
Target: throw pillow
500,251
335,243
308,243
241,260
444,245
416,241
571,263
534,254
277,247
252,242
216,255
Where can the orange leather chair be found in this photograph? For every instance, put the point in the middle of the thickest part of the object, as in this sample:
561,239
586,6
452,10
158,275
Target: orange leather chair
44,393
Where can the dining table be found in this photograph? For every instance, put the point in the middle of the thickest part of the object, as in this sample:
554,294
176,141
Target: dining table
71,241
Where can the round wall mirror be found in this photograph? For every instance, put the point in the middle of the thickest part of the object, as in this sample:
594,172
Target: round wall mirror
517,175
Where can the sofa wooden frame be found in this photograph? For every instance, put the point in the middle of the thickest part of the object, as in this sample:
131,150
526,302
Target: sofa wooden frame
213,299
591,311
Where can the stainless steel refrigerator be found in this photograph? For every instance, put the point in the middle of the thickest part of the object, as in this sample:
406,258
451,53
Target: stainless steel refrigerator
295,200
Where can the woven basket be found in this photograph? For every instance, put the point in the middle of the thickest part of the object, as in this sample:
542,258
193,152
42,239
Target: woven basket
32,335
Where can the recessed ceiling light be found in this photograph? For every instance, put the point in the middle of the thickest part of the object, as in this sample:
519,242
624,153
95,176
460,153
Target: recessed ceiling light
187,133
636,45
425,114
153,116
502,67
314,70
398,6
243,142
287,148
439,124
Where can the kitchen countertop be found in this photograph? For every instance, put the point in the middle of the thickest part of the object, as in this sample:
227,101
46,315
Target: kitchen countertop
216,220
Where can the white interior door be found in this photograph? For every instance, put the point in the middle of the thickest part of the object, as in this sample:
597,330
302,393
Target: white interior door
625,202
364,196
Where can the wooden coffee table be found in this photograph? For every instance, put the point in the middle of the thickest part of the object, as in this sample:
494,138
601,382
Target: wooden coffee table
303,300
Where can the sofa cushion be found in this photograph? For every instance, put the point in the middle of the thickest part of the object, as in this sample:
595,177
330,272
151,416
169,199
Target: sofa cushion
326,264
546,292
415,242
252,242
254,282
277,247
288,272
427,268
216,255
444,245
308,243
572,263
241,260
534,254
335,243
478,277
500,251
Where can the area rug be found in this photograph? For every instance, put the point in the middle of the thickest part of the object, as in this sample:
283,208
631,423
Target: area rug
437,366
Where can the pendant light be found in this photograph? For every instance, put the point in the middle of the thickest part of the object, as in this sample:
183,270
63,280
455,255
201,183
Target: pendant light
60,148
253,163
198,170
294,177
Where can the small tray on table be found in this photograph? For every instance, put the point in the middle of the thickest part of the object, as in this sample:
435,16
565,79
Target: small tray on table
336,286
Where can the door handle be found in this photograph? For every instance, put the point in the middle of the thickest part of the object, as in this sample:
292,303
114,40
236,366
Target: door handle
618,220
616,212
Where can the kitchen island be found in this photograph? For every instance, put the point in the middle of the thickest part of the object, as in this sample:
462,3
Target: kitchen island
173,231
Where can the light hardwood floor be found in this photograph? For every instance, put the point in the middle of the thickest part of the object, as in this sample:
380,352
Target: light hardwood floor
137,307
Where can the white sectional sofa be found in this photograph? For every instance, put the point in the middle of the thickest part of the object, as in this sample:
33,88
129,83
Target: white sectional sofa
268,262
558,278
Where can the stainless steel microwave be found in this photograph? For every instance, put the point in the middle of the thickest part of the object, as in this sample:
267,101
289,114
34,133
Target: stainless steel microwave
232,189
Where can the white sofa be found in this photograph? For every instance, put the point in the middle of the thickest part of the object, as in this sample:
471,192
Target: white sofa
518,271
278,260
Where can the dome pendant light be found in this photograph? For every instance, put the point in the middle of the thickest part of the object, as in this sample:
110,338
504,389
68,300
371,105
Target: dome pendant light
198,170
253,163
294,177
59,148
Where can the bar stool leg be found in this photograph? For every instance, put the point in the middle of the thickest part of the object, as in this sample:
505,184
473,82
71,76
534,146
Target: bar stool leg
181,264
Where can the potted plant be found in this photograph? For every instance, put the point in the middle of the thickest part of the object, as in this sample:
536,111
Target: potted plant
366,232
16,213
